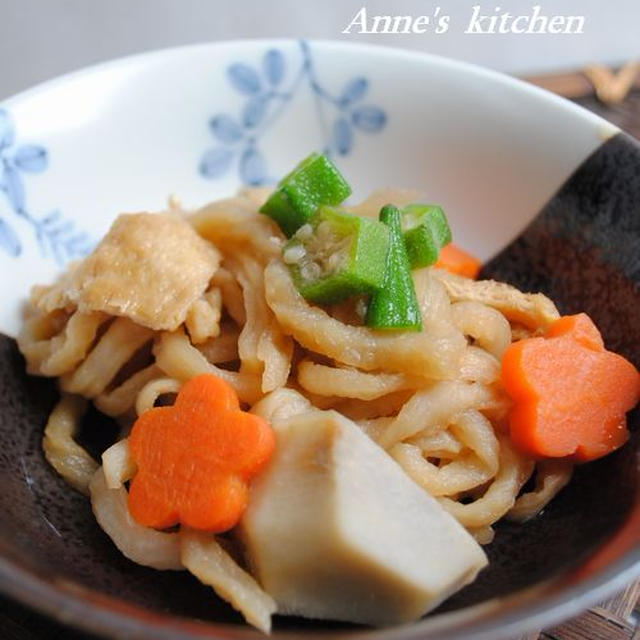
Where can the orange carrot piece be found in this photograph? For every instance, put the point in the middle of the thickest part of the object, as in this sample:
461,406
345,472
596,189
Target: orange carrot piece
580,327
195,459
456,260
570,394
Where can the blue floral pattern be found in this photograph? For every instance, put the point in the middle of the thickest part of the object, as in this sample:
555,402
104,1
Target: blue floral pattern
340,116
57,237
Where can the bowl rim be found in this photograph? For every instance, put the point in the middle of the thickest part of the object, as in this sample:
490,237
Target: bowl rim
606,128
531,608
71,603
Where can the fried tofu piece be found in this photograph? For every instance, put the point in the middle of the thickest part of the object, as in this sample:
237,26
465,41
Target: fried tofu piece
533,310
149,267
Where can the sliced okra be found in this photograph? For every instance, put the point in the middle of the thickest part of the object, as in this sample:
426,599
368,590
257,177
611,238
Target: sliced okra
337,255
395,305
426,231
314,182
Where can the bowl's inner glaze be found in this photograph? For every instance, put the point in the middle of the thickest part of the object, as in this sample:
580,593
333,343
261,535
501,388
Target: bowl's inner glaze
582,251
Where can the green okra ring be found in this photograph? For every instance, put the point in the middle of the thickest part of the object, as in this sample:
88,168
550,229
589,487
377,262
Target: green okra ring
395,305
426,231
315,181
337,255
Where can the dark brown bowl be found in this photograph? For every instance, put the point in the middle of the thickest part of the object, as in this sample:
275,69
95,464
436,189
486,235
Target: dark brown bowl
583,250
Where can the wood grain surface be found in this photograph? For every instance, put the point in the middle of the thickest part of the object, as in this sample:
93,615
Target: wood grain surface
615,619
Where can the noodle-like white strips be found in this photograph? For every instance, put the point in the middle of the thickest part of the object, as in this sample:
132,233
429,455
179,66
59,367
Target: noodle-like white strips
249,276
212,565
235,226
123,398
145,546
118,464
153,390
232,299
63,453
435,305
351,383
483,535
501,494
488,327
462,474
224,348
262,346
473,430
275,349
530,309
479,365
179,359
114,349
203,318
34,339
432,399
435,407
434,355
551,476
472,468
281,404
355,409
374,427
441,444
56,355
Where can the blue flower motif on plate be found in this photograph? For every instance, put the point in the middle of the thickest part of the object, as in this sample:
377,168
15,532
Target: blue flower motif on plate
56,237
340,116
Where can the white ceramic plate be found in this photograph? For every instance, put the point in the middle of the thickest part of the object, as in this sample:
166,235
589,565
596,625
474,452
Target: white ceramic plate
199,121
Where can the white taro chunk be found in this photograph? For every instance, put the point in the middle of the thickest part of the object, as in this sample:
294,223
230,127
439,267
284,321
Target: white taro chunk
336,530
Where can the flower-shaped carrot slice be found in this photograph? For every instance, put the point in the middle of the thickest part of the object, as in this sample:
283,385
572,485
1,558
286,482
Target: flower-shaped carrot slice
570,394
195,459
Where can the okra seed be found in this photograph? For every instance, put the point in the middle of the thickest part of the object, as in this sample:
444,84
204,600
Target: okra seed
304,232
294,254
310,271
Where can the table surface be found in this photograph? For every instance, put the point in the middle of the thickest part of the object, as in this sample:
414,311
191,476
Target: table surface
615,619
